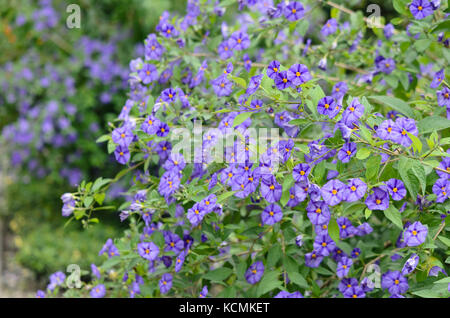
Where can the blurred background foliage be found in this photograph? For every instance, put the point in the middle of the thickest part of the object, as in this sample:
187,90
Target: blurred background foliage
31,208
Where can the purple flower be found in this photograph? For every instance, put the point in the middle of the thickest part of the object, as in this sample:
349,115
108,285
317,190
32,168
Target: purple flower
254,272
254,84
353,112
356,189
378,200
324,245
175,162
179,261
282,81
123,136
298,74
347,283
404,125
327,106
394,282
270,189
153,50
222,86
150,125
204,292
273,69
148,73
386,65
356,252
388,130
195,214
443,97
285,294
300,172
239,41
347,151
225,51
313,259
173,242
346,229
330,27
122,154
40,294
343,267
294,11
98,291
271,214
318,212
420,9
396,189
148,250
95,271
388,30
333,192
437,79
442,190
162,129
410,264
165,284
339,90
415,234
354,292
299,240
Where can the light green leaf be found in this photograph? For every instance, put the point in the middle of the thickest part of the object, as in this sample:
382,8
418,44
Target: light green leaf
395,103
239,119
363,153
394,216
333,230
430,123
219,274
269,281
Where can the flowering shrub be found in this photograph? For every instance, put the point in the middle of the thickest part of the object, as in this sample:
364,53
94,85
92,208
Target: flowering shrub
281,150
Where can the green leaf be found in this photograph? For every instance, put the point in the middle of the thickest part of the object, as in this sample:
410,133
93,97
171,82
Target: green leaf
225,196
363,153
416,143
269,281
395,103
430,123
240,81
103,139
372,167
367,213
302,27
219,274
422,45
287,184
239,119
444,240
110,262
274,255
99,197
394,216
298,279
399,6
333,230
299,121
87,201
365,134
99,183
419,172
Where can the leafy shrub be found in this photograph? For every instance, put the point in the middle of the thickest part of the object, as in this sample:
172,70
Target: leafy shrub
345,195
